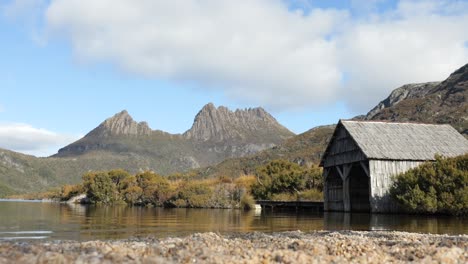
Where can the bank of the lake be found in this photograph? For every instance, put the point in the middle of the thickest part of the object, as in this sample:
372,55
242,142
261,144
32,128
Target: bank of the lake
286,247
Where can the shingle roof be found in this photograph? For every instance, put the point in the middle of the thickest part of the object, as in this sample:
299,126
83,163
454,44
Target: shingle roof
406,141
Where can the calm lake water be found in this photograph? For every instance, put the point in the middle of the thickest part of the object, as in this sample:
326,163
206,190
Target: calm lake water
53,221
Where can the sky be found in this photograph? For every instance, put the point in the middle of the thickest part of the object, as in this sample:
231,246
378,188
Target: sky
67,65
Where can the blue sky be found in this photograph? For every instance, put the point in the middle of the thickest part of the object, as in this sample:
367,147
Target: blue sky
308,63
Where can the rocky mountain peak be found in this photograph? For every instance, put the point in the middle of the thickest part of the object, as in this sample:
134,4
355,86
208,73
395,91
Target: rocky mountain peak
121,124
408,91
455,83
219,124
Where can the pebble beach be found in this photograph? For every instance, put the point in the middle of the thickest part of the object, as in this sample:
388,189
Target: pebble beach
286,247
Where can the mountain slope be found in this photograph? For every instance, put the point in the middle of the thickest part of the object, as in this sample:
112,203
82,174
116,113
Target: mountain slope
304,149
442,103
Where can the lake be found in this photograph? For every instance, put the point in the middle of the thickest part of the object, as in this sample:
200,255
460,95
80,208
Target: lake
28,220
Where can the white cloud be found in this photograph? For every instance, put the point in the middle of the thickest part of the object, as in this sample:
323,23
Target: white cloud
413,44
255,50
264,53
30,140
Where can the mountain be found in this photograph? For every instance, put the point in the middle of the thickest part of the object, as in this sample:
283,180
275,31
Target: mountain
216,134
304,149
120,142
408,91
441,103
222,125
433,102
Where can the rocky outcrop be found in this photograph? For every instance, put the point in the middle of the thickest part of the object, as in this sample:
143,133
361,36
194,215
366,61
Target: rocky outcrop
121,124
408,91
441,103
219,124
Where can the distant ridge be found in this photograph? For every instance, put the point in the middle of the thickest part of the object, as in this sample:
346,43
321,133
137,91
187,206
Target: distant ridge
221,124
216,134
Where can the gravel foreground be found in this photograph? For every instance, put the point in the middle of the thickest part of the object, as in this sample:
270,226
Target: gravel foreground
287,247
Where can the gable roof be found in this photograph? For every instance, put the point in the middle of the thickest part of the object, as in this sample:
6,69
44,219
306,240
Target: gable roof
405,141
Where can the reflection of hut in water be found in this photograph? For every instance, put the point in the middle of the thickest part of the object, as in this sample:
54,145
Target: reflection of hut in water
363,156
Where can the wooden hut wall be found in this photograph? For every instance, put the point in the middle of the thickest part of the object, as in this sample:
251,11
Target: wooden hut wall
382,173
342,150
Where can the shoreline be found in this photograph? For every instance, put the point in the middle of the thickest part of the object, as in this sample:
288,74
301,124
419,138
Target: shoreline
28,200
284,247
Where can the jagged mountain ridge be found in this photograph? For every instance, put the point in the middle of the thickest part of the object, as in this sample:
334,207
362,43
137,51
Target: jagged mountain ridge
222,125
215,130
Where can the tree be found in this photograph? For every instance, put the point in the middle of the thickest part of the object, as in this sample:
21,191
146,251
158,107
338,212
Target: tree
155,188
313,178
100,188
132,193
278,176
118,177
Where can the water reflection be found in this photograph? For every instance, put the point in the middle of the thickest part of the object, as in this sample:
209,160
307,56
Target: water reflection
409,223
77,222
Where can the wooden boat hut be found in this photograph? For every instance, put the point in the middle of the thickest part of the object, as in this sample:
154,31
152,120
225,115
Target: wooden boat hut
363,156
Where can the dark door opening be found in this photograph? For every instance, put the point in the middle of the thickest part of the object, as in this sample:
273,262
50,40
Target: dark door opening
359,189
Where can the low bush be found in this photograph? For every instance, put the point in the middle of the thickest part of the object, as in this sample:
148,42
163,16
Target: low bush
285,181
311,195
69,191
247,202
434,187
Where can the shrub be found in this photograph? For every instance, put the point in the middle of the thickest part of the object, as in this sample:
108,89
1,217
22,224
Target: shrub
100,188
434,187
313,178
276,177
247,202
311,195
195,194
155,188
284,196
118,177
246,182
69,191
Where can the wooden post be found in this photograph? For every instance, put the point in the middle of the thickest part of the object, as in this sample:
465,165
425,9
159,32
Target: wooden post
365,168
344,173
326,171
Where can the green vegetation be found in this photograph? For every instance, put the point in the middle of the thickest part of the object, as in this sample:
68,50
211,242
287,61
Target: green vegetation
150,189
435,187
283,180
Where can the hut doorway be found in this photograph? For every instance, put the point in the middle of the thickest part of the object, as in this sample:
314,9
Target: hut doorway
335,191
359,189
